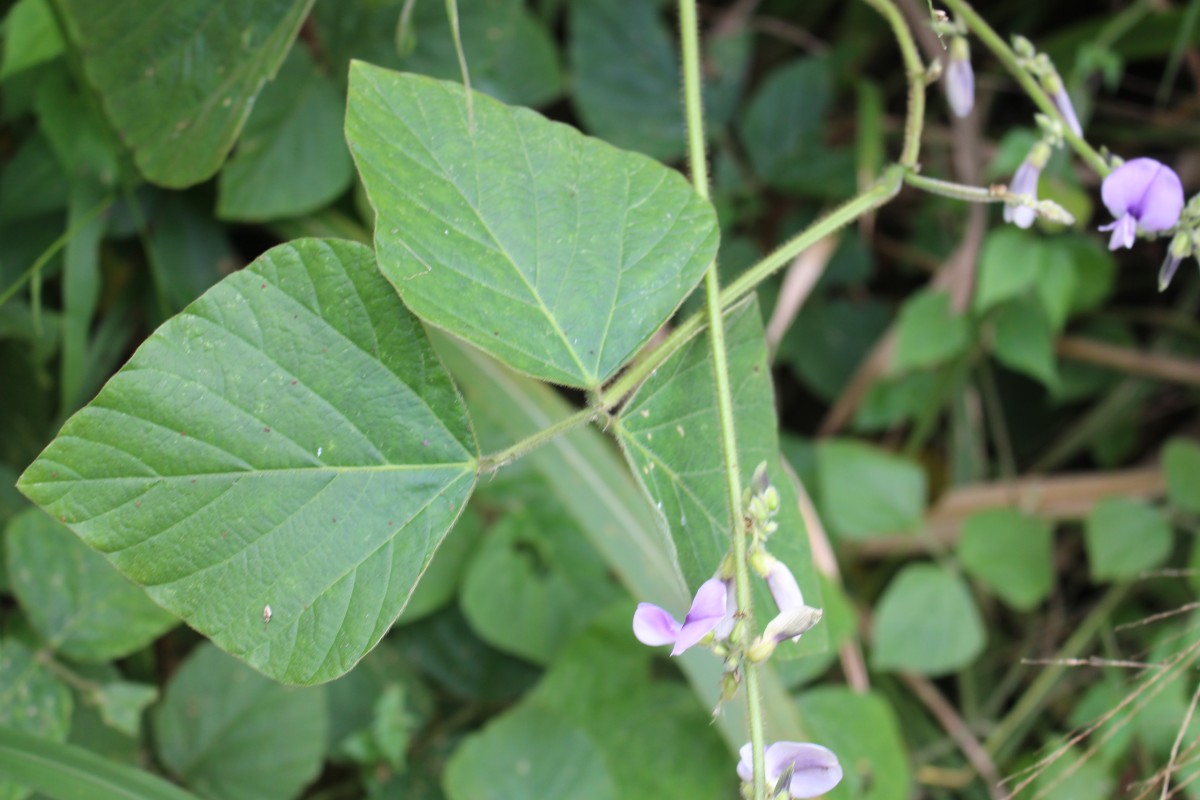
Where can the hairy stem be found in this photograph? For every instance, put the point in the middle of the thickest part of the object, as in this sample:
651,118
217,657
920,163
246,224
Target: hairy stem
914,72
698,158
494,461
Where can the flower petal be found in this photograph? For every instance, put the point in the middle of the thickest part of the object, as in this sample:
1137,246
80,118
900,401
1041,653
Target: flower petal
1062,102
707,611
783,587
1124,232
960,86
1146,189
745,768
815,768
654,626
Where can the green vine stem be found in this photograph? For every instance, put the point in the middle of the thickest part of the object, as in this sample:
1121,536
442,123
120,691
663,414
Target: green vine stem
494,461
698,158
994,42
914,72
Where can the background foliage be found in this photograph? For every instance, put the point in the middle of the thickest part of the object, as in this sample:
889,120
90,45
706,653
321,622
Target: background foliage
995,430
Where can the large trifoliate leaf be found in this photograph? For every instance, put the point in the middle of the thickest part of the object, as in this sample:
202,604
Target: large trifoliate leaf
178,79
670,431
556,253
289,440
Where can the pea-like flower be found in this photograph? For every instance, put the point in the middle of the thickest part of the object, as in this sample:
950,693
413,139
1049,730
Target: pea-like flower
1062,101
815,769
960,78
1025,182
1141,193
655,626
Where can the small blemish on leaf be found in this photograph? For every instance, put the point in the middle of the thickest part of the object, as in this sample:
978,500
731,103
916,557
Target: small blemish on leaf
645,412
266,430
679,430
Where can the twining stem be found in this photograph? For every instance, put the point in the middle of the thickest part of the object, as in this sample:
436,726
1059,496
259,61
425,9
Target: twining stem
698,158
877,195
994,42
957,191
915,73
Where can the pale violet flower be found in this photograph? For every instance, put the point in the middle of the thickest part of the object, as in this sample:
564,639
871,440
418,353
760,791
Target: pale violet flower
815,769
1025,182
1062,101
654,626
1141,193
959,78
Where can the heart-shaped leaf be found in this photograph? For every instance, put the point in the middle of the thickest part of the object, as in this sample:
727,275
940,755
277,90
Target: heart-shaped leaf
290,441
555,252
178,79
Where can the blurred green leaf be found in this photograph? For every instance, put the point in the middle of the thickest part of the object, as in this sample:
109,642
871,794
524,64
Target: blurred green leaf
121,704
670,432
928,332
308,402
625,75
229,732
32,701
510,54
1011,553
1055,285
862,729
533,582
30,37
926,622
189,251
897,398
1124,538
65,772
1009,263
1073,775
178,81
528,754
32,183
74,598
865,491
782,130
517,236
291,157
1024,341
829,339
1181,463
353,699
439,583
1095,271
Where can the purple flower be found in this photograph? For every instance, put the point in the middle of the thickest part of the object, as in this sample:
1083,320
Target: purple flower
655,626
1062,101
960,79
1141,193
1025,181
783,586
815,769
1181,247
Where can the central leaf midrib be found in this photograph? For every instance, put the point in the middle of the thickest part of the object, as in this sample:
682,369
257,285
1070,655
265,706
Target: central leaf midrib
464,466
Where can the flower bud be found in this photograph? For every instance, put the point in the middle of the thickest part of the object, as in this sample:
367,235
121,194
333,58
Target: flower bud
960,78
1181,248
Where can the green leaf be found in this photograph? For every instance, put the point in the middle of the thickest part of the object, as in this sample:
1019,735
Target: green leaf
654,735
928,332
927,622
178,81
1055,285
829,339
439,582
65,772
32,701
353,700
1009,263
1024,340
863,731
783,131
1181,463
528,754
670,432
1010,552
291,157
554,252
122,703
74,599
228,732
1095,271
189,251
291,441
30,37
533,582
865,491
1073,775
510,54
625,76
1124,538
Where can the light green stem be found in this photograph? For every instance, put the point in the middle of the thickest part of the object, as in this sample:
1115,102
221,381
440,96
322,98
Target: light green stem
452,13
494,461
914,72
874,197
694,111
957,191
1000,48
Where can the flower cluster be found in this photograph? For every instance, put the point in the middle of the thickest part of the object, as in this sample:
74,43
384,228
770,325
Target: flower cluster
800,769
